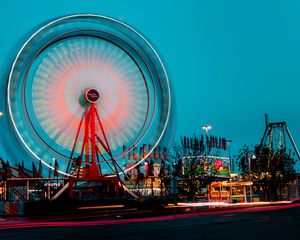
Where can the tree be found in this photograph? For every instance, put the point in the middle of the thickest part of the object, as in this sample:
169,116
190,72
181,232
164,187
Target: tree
191,165
271,169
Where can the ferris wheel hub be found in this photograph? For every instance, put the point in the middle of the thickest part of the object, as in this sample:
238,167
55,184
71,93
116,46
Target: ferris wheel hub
92,95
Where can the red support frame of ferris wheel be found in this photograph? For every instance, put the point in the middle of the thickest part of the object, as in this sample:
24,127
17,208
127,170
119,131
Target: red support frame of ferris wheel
90,150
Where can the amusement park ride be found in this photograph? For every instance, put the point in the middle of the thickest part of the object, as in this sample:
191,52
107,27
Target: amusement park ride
80,89
278,136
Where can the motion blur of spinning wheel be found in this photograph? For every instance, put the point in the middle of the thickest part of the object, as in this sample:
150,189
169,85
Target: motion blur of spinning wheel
87,85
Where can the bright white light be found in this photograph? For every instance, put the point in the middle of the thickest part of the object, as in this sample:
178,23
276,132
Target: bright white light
226,204
207,127
1,113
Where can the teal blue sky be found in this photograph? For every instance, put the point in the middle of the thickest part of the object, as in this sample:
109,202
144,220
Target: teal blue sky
229,62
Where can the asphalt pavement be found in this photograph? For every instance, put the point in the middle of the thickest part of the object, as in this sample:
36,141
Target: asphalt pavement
276,222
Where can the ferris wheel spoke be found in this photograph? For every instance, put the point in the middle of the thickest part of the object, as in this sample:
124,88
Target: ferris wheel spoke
119,129
59,133
66,124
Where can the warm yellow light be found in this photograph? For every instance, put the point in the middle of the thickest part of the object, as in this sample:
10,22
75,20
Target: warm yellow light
101,207
171,204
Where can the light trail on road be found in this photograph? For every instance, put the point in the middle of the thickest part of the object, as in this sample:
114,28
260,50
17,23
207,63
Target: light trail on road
15,224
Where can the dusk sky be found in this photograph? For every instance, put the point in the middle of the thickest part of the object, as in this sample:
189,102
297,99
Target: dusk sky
229,62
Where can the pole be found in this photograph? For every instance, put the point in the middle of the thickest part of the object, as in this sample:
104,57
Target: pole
230,162
250,178
49,190
245,193
230,189
206,128
5,191
230,168
27,191
152,191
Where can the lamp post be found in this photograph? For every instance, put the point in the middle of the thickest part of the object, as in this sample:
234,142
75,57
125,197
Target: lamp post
230,164
207,128
230,167
250,157
174,177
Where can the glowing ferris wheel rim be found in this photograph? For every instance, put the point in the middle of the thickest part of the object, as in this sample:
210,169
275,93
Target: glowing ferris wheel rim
143,50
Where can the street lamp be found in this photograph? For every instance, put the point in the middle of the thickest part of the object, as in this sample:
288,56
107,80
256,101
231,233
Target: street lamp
1,113
250,157
207,128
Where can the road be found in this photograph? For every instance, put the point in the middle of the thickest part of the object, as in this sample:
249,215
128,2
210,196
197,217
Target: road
277,222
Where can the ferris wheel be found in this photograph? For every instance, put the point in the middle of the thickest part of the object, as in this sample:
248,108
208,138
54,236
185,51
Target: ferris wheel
88,85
